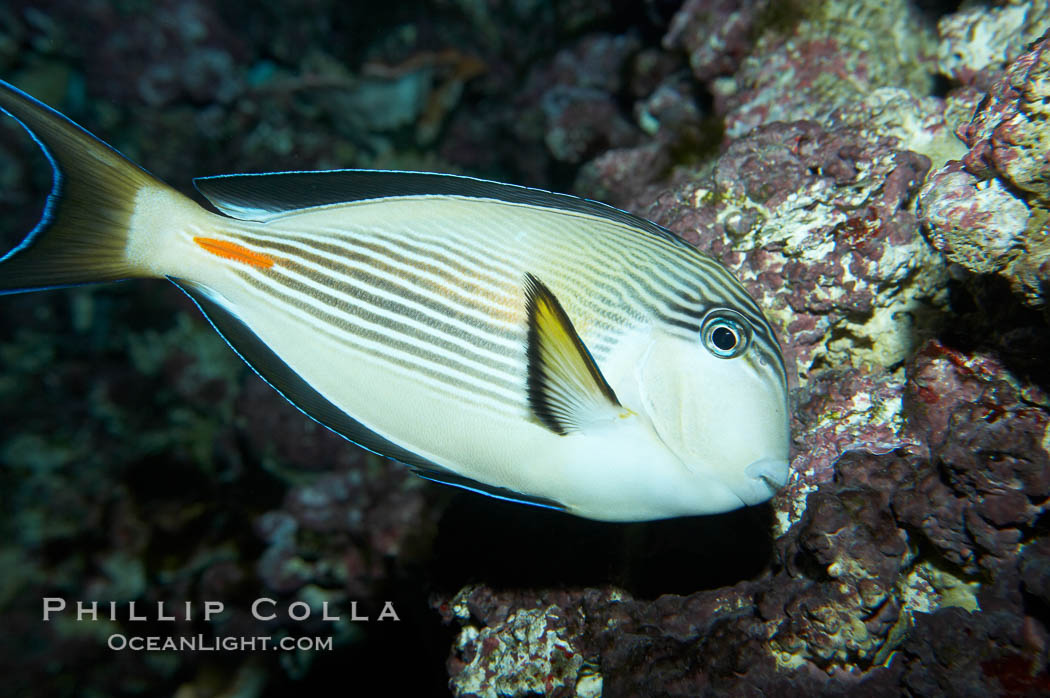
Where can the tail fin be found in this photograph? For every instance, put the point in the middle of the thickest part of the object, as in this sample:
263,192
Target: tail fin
82,235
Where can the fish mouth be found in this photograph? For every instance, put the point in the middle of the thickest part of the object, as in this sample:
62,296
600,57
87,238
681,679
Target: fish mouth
765,477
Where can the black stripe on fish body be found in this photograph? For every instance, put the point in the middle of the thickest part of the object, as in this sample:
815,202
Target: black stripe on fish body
435,309
451,376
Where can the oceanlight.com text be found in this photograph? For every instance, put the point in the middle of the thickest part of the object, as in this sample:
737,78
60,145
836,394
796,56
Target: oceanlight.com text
202,643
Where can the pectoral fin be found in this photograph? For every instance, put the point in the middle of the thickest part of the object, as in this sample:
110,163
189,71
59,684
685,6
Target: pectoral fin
567,391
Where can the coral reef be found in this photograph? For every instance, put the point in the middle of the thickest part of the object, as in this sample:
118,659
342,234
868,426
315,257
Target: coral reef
816,222
873,172
988,211
979,40
815,58
867,586
919,486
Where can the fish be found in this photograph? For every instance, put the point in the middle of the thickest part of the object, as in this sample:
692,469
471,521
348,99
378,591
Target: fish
527,345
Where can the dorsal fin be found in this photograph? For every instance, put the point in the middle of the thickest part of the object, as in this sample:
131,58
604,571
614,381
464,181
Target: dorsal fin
263,196
567,391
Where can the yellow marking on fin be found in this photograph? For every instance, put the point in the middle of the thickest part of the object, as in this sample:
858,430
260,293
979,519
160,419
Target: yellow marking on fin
566,388
238,253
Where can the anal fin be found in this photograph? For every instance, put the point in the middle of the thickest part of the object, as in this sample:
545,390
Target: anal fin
447,477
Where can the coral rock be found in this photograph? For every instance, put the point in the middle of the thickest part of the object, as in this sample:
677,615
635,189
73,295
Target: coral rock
816,224
833,56
991,216
980,38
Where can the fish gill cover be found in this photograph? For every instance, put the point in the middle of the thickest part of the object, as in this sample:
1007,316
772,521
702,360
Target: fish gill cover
873,172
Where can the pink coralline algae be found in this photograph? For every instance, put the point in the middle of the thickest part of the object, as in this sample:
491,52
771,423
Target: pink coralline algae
716,35
921,471
1006,136
581,117
988,212
840,411
988,434
817,225
888,555
978,41
822,57
527,652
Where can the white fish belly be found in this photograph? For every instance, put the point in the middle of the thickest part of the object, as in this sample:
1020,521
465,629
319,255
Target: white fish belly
486,434
617,473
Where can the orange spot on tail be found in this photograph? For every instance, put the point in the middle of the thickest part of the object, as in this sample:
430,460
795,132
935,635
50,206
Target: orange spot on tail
238,253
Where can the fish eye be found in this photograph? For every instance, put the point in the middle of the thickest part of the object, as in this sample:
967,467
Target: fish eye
725,333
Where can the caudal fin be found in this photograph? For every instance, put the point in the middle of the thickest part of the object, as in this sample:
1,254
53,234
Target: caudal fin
82,235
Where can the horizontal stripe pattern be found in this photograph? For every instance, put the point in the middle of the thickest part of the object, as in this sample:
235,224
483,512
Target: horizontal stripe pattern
445,371
444,297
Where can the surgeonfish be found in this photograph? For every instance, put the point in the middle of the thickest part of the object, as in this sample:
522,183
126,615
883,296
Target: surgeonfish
531,346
